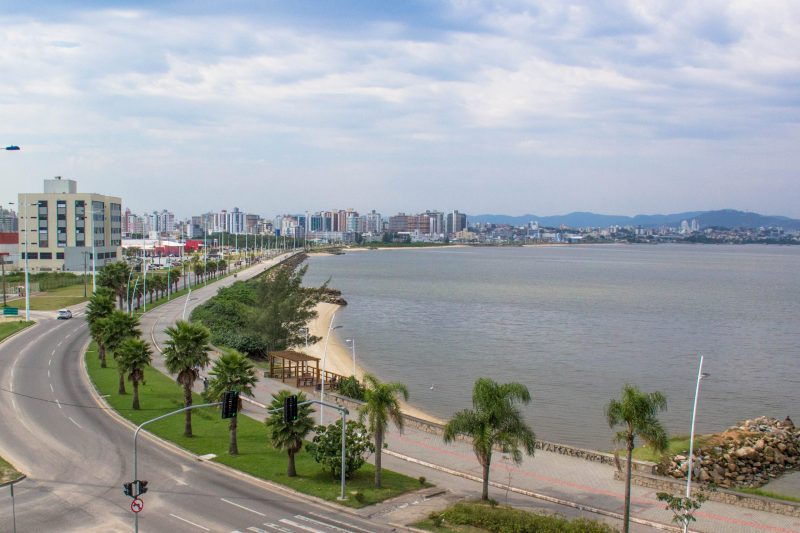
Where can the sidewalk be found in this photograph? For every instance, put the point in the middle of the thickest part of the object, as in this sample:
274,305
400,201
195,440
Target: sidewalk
549,474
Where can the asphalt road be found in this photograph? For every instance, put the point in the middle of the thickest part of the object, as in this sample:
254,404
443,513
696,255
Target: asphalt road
77,456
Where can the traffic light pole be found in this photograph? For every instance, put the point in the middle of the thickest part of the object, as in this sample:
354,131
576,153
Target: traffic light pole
343,411
136,435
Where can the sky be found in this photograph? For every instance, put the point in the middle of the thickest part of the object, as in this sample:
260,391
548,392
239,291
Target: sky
514,107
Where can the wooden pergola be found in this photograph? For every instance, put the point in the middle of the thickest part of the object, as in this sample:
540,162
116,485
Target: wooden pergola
294,365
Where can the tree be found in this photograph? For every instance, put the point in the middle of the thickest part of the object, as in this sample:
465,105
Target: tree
117,327
133,356
185,353
326,447
283,308
682,507
101,305
174,277
381,405
199,271
495,420
352,388
115,277
636,412
232,372
289,434
222,265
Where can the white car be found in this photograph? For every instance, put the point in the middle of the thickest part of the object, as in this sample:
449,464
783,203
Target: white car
64,314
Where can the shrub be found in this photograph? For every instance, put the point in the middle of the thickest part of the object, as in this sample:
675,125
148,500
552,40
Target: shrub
421,480
326,448
351,388
498,519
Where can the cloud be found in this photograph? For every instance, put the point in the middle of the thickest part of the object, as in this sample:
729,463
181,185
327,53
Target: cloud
504,83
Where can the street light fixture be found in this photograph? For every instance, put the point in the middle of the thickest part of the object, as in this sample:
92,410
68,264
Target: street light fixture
700,375
331,327
352,343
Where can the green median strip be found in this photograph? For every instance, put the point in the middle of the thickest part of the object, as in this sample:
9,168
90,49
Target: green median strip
160,395
7,472
9,328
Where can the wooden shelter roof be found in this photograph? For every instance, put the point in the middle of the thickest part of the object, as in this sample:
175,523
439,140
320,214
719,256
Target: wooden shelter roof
291,355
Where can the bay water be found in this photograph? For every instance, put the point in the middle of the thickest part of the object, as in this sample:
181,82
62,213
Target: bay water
576,323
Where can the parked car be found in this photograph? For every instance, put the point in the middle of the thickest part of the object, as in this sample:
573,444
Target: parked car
64,314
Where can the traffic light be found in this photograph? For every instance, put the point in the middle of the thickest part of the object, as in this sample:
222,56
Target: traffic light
127,489
290,408
141,487
230,404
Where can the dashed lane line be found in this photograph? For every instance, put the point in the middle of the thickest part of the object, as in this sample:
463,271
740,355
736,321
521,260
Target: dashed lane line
73,421
52,389
242,507
189,522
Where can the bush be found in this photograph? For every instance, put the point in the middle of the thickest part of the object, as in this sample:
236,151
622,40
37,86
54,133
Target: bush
351,388
499,519
326,448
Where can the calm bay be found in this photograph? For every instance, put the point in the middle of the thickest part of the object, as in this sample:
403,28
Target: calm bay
575,323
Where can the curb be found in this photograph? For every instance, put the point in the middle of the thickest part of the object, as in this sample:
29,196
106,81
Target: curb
551,499
23,330
13,481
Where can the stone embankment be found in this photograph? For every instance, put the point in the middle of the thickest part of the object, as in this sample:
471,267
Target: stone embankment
746,455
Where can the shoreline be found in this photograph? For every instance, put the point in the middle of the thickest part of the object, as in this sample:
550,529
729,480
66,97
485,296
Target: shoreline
340,358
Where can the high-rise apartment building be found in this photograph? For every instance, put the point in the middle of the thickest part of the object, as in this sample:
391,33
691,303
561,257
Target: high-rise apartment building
456,222
8,221
61,225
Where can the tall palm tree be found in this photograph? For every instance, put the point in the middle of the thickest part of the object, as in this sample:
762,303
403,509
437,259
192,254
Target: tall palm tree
133,356
495,420
117,327
381,405
199,271
231,372
115,277
636,412
174,277
289,434
186,352
100,306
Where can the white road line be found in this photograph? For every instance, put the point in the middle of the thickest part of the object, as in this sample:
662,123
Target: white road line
59,404
338,522
242,507
67,336
48,372
73,421
52,389
188,522
276,527
52,353
301,526
256,530
59,344
14,403
317,522
50,362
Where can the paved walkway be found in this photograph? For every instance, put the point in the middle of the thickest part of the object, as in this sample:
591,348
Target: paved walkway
551,475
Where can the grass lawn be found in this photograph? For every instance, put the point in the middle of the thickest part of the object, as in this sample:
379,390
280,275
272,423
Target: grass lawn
10,327
768,494
677,445
7,472
55,299
161,395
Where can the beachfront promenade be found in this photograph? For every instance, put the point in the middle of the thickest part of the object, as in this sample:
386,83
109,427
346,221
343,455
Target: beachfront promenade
419,453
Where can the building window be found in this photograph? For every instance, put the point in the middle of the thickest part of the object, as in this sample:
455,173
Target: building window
59,255
46,255
43,239
30,255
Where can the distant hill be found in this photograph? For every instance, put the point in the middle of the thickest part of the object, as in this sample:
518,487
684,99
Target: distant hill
728,218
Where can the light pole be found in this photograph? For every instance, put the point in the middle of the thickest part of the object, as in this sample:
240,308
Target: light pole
700,375
331,327
27,284
352,343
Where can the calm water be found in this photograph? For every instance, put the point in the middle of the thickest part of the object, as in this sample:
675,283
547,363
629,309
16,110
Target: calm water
576,323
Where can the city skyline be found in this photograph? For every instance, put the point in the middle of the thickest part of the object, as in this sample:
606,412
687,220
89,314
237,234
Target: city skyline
506,107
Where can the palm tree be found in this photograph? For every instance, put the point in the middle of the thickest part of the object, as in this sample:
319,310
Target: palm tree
222,265
133,356
115,277
232,372
289,434
174,277
199,271
117,327
100,306
381,405
636,411
495,420
186,352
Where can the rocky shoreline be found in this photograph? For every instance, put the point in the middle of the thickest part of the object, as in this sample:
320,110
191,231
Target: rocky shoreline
749,454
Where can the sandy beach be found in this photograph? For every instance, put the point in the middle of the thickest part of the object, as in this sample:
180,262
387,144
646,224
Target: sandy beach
340,358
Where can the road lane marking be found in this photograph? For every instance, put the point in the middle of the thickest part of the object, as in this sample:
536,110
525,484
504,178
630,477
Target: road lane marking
52,389
329,519
48,372
50,362
188,522
324,524
301,526
59,404
256,530
67,336
59,344
52,353
276,527
73,421
242,507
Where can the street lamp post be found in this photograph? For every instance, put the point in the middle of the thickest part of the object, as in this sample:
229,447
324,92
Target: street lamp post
27,284
352,343
331,327
700,376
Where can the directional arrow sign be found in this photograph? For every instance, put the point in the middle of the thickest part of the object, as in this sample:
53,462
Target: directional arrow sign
137,505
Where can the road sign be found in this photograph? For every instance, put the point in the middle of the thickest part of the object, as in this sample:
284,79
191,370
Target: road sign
137,505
